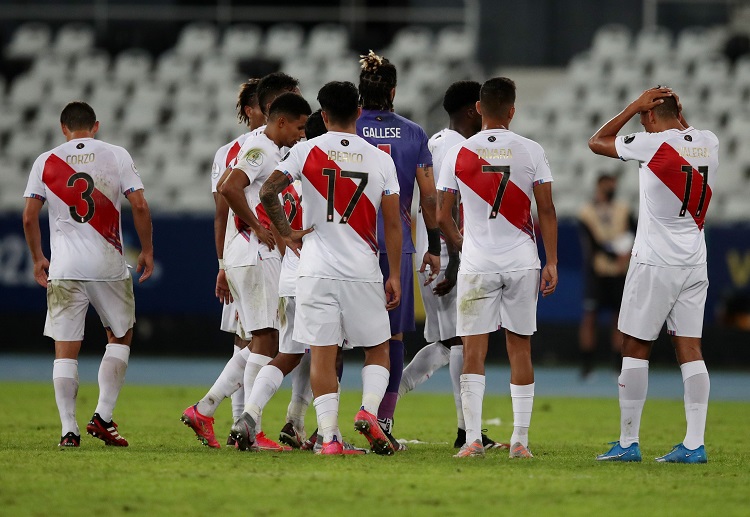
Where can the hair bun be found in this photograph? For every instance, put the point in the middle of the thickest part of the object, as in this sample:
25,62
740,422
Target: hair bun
371,62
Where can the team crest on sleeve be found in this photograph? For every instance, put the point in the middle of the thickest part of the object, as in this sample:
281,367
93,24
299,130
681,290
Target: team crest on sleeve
254,157
214,171
629,139
135,169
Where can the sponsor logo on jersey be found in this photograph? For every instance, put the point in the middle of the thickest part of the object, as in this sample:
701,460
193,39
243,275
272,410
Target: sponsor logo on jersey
345,142
688,138
629,139
80,146
492,139
254,157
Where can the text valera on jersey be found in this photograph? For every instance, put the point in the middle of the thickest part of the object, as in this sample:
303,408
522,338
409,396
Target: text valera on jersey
381,132
694,152
78,159
343,156
498,154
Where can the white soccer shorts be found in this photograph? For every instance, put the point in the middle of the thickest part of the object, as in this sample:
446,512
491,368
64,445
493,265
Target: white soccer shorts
655,294
287,310
489,301
229,318
68,301
255,290
440,311
329,311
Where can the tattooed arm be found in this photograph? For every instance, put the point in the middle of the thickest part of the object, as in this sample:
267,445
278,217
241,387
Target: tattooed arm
269,196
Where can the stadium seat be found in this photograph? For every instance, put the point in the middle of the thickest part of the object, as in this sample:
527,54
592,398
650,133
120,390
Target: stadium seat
711,72
694,43
670,73
197,40
108,93
741,76
191,96
172,68
11,117
344,68
48,69
26,91
412,42
73,39
132,65
92,66
148,95
214,71
283,40
454,44
168,146
28,41
327,41
304,69
141,117
653,44
25,144
63,92
611,42
241,42
182,120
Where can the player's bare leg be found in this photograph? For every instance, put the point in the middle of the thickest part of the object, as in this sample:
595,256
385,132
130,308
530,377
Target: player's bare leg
521,391
65,381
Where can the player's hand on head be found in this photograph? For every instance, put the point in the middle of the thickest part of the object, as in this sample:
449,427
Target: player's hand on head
222,288
433,262
41,271
548,282
294,240
145,266
652,97
392,293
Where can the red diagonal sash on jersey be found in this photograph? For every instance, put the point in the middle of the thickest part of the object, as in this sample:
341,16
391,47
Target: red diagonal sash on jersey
106,218
515,206
292,207
364,217
232,154
667,165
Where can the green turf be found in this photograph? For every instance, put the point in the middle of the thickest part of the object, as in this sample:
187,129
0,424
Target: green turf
166,471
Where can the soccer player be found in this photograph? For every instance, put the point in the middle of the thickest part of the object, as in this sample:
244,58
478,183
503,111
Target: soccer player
82,180
667,277
199,417
406,142
440,301
340,286
496,172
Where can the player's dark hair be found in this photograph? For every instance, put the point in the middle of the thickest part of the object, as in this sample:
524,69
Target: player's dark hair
376,80
461,94
667,109
339,99
272,85
78,116
315,126
289,104
497,96
247,98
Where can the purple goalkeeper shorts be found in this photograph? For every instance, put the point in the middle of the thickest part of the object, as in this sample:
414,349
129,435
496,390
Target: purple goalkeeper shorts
402,317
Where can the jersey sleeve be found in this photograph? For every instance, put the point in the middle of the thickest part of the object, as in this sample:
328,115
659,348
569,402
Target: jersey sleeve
251,161
35,186
291,163
391,185
130,180
636,146
425,156
542,172
447,179
216,170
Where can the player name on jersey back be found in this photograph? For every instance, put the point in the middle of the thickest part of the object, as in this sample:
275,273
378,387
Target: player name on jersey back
82,181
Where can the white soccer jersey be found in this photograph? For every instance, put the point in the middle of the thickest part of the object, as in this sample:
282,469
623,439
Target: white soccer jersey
82,181
257,159
343,180
225,156
676,176
439,144
496,171
291,201
255,132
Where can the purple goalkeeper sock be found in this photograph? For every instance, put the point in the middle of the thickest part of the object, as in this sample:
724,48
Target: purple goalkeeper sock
388,405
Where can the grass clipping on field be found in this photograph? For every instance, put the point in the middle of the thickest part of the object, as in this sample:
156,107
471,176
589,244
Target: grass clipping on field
166,471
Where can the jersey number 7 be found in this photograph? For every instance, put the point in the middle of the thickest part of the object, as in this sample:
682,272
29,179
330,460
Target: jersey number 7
688,170
331,194
505,171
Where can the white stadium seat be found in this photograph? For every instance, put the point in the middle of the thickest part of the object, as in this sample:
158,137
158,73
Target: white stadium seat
241,42
283,40
197,40
26,91
413,42
132,65
73,39
30,40
173,68
327,41
455,44
92,66
611,42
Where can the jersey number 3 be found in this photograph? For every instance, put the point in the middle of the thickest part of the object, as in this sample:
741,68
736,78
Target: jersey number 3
85,195
331,194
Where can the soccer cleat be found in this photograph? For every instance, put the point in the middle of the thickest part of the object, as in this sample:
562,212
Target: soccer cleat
488,442
309,444
474,449
266,444
243,433
70,440
353,449
386,424
620,453
105,431
292,437
230,440
681,454
202,425
336,447
318,445
367,424
518,450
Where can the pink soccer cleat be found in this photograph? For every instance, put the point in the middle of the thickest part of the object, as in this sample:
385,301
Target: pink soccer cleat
367,424
266,444
202,425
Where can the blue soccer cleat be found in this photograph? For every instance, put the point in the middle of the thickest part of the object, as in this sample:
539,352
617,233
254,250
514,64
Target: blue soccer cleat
620,453
681,454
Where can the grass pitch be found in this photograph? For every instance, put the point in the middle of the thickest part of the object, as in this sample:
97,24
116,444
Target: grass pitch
165,471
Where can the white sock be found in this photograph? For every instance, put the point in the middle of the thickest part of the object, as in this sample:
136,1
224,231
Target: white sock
425,363
65,380
374,383
301,394
227,383
266,384
633,386
111,378
327,410
238,397
522,397
472,394
697,387
254,363
456,367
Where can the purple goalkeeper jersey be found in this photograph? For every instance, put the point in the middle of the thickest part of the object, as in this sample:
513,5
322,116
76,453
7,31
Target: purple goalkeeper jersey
406,142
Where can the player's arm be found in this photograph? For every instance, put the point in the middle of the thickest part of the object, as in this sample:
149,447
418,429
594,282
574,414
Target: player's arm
603,141
269,197
233,192
428,203
393,240
679,109
454,259
453,238
221,215
33,234
144,229
548,225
